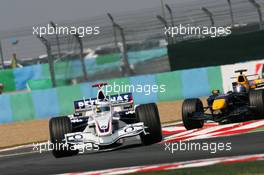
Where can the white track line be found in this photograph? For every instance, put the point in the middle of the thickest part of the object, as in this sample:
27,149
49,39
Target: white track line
173,128
249,126
199,132
213,131
180,134
20,147
17,147
18,154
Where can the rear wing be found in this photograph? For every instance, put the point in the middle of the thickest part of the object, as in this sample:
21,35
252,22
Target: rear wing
116,100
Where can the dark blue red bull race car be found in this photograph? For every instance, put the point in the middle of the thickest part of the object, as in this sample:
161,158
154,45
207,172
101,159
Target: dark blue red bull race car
245,102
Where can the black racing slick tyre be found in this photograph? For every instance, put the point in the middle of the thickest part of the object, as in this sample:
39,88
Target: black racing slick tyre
256,101
149,115
190,106
58,127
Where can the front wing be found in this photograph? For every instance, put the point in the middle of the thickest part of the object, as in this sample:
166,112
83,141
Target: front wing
88,138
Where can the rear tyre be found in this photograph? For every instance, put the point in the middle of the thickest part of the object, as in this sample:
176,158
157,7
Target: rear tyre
256,100
149,115
59,126
190,106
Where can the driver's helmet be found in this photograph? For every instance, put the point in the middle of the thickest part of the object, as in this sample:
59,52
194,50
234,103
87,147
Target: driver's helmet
102,107
240,88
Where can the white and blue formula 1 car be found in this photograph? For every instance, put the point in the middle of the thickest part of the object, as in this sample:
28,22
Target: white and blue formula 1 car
103,122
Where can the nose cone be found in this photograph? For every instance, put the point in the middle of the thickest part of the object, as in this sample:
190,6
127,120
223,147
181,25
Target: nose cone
219,104
103,123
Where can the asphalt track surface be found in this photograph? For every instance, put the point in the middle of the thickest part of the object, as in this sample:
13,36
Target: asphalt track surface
132,154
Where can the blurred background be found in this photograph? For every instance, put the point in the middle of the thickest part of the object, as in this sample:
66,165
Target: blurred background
131,40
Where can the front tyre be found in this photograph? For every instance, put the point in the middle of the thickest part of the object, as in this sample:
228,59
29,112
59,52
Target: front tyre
189,107
256,100
58,127
149,115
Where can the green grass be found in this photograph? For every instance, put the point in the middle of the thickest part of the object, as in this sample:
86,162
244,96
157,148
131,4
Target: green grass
248,168
258,130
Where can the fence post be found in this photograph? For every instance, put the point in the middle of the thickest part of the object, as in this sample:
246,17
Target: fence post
209,14
231,12
1,55
79,40
57,38
125,67
50,59
165,23
258,7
